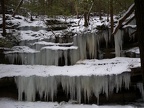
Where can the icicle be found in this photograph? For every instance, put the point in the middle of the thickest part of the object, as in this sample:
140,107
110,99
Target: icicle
51,55
46,87
91,45
141,89
66,56
86,84
118,43
80,41
130,31
78,89
126,80
105,35
26,85
118,81
87,45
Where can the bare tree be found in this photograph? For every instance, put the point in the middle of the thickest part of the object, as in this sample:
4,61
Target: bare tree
87,11
139,13
111,15
18,6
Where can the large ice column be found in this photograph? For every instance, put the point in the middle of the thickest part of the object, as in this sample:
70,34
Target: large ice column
54,55
26,85
80,41
29,86
89,43
105,34
118,43
50,55
77,87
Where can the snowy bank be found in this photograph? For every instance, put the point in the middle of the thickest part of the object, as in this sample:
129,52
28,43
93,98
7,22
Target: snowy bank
82,68
90,76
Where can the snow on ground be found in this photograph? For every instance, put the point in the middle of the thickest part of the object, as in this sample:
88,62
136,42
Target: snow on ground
82,68
9,103
59,48
37,29
32,35
21,49
52,44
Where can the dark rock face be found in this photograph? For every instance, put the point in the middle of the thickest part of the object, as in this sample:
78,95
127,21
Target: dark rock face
3,60
8,88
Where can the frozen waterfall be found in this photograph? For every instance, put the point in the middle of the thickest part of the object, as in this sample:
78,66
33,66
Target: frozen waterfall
89,44
84,46
77,86
48,55
118,42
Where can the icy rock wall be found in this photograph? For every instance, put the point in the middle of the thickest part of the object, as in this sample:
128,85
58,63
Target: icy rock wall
88,47
77,87
55,55
51,55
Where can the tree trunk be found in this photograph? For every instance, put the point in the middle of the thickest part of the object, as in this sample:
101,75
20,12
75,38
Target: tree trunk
139,13
99,8
3,12
111,15
86,19
76,9
108,11
20,3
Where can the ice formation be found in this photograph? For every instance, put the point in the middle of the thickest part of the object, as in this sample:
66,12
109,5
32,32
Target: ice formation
55,54
50,55
86,46
23,55
77,86
118,42
89,44
141,89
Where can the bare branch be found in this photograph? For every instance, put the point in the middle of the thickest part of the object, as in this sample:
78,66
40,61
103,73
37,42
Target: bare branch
133,33
121,20
129,20
18,6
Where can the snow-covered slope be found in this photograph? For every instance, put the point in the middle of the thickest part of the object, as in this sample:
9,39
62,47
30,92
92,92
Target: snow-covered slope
82,68
42,51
